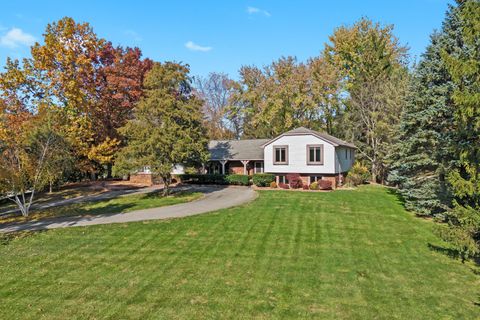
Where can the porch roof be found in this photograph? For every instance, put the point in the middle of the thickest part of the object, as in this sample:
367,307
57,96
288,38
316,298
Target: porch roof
249,149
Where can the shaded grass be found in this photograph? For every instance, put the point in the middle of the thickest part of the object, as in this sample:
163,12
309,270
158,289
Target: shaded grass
116,205
346,254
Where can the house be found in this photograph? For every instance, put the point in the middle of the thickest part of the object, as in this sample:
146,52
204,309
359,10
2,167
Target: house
312,154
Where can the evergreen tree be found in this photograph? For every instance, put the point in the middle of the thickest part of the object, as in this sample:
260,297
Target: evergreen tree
464,219
424,151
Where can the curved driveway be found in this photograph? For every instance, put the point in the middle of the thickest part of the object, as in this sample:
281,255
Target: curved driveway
215,198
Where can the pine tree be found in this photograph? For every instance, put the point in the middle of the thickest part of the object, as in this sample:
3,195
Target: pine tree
464,219
424,153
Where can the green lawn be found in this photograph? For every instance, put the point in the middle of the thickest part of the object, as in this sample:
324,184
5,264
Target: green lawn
115,205
346,254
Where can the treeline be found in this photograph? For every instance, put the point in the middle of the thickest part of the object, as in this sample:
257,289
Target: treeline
355,89
416,128
80,106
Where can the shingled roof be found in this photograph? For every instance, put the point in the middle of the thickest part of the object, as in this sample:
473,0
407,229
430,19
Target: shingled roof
250,149
322,135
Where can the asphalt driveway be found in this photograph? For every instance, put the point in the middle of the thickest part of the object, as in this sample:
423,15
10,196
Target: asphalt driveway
215,198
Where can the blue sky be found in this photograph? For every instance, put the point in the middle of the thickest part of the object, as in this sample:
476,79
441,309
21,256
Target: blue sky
218,35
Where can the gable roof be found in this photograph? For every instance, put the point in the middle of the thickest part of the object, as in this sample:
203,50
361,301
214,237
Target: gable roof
322,135
250,149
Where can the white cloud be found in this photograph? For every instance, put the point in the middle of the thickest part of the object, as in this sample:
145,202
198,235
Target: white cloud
133,34
253,10
15,37
190,45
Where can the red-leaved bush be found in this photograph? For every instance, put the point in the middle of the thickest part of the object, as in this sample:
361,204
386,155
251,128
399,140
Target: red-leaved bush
283,186
305,187
324,184
294,180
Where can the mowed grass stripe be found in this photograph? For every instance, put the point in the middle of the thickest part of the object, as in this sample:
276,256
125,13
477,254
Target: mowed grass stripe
345,254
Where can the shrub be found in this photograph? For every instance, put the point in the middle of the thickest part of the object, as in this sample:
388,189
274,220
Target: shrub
359,174
191,170
237,179
324,184
314,186
294,180
273,184
263,179
305,187
284,186
234,179
203,178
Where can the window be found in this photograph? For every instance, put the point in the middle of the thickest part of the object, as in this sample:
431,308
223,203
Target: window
258,167
145,169
282,179
315,178
280,154
315,154
215,168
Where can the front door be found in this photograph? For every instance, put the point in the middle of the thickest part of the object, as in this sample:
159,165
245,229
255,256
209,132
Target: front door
258,167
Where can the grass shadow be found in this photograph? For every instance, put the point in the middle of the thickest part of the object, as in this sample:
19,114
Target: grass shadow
107,209
7,238
398,196
450,252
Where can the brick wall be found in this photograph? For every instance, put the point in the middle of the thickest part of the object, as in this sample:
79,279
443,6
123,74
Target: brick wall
306,179
236,167
142,178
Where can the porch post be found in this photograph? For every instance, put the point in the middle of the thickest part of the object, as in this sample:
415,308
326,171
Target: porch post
245,162
223,162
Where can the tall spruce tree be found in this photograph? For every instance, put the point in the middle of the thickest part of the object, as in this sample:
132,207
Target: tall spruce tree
424,153
464,219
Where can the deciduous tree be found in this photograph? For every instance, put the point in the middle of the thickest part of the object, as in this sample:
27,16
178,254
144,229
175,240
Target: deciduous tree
167,128
215,90
372,64
31,147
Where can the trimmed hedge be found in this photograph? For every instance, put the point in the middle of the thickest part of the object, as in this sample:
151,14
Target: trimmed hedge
263,179
238,179
235,179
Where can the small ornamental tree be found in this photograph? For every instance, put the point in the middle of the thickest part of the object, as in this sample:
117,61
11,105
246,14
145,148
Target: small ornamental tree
27,154
167,126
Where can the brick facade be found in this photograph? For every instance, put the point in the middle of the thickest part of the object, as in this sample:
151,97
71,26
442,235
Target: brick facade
142,178
335,179
236,167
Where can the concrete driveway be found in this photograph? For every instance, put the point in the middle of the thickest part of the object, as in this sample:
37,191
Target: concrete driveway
215,198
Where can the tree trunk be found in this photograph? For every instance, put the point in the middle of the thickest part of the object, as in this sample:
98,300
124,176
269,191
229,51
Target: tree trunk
374,172
109,171
50,187
166,185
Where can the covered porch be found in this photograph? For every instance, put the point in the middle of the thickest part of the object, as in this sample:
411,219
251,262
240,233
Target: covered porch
247,167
